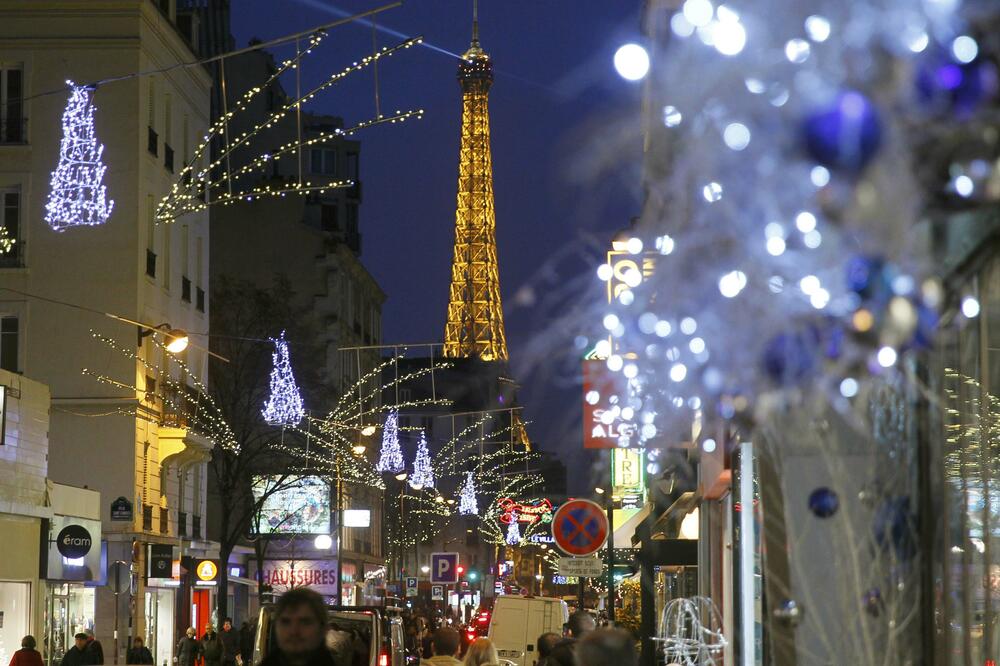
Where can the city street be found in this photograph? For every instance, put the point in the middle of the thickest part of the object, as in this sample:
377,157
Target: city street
481,333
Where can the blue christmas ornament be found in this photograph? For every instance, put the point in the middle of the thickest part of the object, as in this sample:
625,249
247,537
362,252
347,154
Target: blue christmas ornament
791,357
947,86
823,502
844,135
895,527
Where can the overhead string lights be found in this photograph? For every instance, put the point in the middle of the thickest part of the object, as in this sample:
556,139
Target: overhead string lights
196,189
77,194
284,405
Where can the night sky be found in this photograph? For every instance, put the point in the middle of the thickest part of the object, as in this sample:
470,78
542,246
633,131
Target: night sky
565,161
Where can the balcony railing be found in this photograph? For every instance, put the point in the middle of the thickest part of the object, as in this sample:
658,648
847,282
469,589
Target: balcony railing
150,263
14,257
13,130
152,142
168,157
185,289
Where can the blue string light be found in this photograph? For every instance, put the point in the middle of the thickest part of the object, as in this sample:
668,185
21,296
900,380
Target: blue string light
77,195
284,405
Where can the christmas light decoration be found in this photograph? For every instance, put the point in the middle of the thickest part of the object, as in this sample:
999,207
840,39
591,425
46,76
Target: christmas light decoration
391,456
195,189
284,405
513,532
467,505
423,474
77,195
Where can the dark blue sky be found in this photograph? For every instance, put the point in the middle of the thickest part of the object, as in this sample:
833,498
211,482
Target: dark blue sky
565,159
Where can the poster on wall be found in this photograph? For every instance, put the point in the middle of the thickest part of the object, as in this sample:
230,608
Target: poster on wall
300,506
73,551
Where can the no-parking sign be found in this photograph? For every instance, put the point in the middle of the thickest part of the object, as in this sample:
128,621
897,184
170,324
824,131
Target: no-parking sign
580,527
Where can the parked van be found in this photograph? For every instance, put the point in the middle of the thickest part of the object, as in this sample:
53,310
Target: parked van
517,622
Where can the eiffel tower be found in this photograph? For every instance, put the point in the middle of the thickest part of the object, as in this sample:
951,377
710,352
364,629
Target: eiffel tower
475,315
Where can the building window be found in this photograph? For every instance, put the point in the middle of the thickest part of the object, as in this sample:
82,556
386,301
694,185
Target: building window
164,520
150,236
166,256
330,217
10,221
9,343
323,161
12,125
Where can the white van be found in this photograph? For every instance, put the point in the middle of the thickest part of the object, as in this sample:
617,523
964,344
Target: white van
517,622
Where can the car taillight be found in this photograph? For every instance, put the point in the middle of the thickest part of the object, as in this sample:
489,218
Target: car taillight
383,659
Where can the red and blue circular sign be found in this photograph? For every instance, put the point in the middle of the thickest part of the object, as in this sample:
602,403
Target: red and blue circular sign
580,527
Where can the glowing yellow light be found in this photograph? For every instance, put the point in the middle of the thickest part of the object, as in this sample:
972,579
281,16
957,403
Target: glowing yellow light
863,320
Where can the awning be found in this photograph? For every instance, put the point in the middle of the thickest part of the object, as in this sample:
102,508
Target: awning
624,531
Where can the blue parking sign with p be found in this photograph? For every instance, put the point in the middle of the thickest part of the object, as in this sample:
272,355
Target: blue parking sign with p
444,568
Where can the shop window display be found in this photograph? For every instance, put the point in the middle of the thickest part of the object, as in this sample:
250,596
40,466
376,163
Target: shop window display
964,443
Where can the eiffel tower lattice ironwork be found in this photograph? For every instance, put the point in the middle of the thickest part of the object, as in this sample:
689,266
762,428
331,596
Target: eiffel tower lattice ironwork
475,314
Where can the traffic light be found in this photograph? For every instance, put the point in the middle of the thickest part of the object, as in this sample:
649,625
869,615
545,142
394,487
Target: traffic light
461,570
473,575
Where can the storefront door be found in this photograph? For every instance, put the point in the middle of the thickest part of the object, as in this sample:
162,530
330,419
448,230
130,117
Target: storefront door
201,610
160,635
69,610
14,616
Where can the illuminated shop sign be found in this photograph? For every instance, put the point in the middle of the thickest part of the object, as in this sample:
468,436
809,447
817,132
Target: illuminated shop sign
533,512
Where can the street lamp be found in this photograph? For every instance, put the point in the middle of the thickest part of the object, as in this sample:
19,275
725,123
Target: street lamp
358,449
401,476
425,569
323,542
368,431
599,490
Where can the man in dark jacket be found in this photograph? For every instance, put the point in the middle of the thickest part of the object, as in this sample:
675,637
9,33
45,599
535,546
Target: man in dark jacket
211,647
94,649
138,653
246,642
230,643
300,619
76,655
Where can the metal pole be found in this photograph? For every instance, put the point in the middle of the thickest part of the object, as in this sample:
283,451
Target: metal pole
609,558
340,536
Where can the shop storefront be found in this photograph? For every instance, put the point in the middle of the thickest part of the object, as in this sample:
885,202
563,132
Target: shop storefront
74,565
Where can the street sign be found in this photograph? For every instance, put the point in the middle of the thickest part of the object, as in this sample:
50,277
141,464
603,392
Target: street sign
580,527
588,567
121,509
444,568
437,592
411,586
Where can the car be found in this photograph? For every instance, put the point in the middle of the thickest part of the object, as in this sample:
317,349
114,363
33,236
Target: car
369,635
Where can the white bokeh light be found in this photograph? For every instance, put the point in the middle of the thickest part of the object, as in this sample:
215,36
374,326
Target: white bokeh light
663,328
887,357
688,326
797,50
812,239
592,397
849,387
775,246
805,221
732,283
697,345
736,136
820,176
615,363
631,62
818,28
678,371
634,245
965,49
611,321
681,26
964,186
605,272
712,192
698,12
729,37
970,307
809,285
